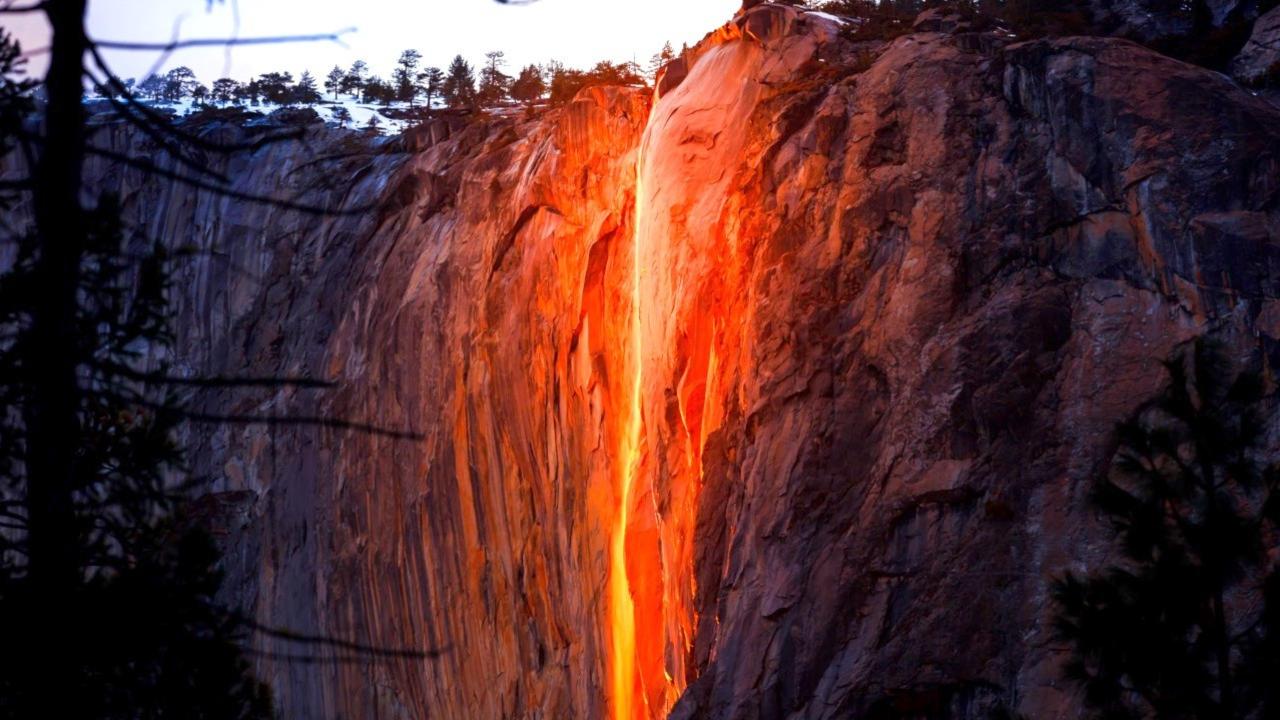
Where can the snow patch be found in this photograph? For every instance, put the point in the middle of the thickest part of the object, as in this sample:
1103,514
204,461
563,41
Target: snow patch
828,16
360,112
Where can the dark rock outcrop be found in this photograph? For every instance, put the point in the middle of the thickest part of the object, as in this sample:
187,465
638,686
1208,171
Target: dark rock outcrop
1259,60
1148,20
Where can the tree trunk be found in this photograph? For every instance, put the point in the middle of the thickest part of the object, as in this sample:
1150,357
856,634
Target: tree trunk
51,412
1217,577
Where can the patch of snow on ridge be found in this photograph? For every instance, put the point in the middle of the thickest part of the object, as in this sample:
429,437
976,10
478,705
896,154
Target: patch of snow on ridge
828,16
360,112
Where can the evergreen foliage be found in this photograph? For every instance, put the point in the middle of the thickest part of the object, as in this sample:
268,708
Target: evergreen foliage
528,87
404,78
459,87
495,85
1184,625
151,639
333,81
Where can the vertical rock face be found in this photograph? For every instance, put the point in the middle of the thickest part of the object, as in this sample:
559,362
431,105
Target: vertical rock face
845,333
901,308
467,295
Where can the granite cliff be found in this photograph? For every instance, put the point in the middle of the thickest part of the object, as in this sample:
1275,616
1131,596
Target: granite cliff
774,393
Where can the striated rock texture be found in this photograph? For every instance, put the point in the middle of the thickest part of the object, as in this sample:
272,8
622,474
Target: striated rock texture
464,292
928,289
845,330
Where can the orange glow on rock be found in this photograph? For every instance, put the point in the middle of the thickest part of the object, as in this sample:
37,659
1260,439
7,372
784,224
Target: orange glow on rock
622,609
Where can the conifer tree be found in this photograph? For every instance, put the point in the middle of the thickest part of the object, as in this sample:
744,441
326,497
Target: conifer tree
276,87
224,90
333,81
494,84
430,83
353,83
178,83
306,92
529,86
404,77
1185,624
459,85
659,59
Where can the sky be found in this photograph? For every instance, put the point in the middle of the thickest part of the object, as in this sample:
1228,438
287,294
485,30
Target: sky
577,33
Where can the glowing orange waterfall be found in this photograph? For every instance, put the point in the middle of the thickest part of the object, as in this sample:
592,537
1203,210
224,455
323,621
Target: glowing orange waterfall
621,605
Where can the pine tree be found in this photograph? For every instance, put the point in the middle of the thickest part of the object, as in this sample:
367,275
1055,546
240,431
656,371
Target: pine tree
224,90
378,90
152,86
404,77
342,116
459,85
16,104
353,83
430,82
305,91
529,86
660,59
275,87
494,83
1186,625
150,639
563,83
178,83
249,92
333,81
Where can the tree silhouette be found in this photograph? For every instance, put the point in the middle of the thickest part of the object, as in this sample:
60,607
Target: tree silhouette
404,77
333,81
224,90
1185,623
565,83
149,639
353,83
659,59
430,83
378,90
107,590
15,106
305,91
494,83
152,86
529,86
459,84
179,83
276,87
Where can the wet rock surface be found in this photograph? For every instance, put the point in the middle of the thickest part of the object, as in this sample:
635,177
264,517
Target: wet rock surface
887,314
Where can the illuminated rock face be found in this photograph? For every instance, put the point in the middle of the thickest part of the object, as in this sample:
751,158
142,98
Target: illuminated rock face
847,331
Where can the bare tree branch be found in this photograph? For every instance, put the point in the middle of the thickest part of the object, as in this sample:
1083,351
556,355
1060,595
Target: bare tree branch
295,637
172,45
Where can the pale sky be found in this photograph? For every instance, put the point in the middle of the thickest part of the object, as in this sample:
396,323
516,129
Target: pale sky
576,32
